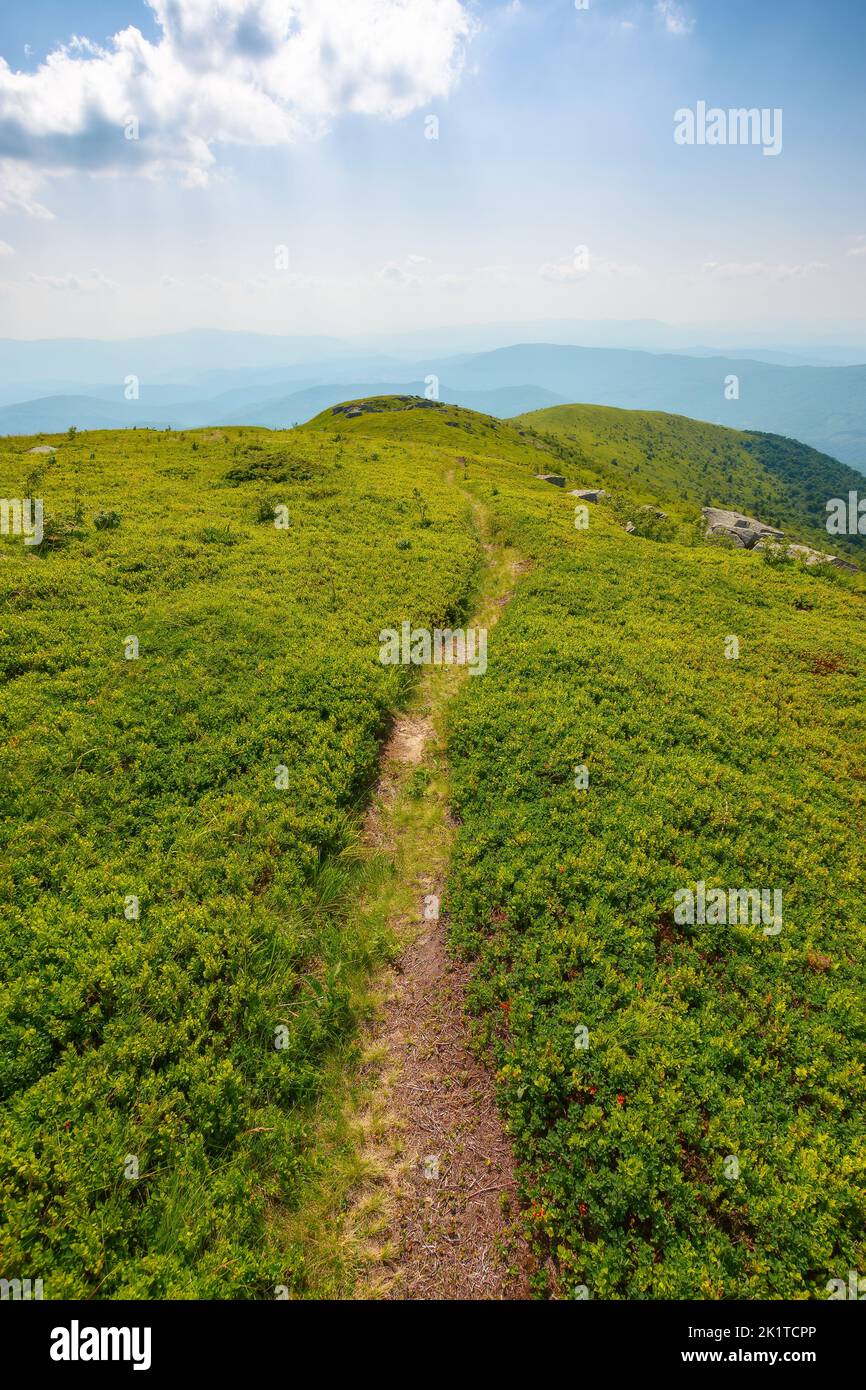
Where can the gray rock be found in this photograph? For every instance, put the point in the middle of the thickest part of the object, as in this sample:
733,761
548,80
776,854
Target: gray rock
744,531
745,540
807,556
589,494
555,478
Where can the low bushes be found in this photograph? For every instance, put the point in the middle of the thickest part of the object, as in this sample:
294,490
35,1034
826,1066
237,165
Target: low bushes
686,1101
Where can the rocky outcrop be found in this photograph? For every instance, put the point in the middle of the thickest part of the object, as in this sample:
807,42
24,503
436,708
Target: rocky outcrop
751,534
589,494
807,556
555,478
744,531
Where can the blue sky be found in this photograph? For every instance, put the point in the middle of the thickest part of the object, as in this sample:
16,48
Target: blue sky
265,123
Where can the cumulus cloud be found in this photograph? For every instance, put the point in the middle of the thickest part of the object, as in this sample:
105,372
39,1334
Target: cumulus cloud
674,17
243,72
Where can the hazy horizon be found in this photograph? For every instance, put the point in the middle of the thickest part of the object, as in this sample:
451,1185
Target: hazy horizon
697,335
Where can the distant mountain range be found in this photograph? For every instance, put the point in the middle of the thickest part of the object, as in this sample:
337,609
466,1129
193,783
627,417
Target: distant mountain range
187,381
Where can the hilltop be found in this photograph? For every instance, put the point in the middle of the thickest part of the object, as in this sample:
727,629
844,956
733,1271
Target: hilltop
647,457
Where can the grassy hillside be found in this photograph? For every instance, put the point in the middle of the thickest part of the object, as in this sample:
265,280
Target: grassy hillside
409,420
684,464
161,1070
185,1046
704,1044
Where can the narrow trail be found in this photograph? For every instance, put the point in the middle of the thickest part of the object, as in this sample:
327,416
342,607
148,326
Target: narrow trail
443,1183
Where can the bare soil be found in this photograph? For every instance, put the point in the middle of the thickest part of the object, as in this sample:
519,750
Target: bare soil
454,1212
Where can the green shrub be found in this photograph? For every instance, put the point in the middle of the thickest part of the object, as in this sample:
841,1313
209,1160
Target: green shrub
705,1042
218,535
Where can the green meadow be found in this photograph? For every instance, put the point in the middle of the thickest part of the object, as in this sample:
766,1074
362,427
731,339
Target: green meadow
682,464
180,861
187,1044
686,1100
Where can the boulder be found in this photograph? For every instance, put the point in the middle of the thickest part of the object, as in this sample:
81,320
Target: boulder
589,494
555,478
744,539
744,531
807,556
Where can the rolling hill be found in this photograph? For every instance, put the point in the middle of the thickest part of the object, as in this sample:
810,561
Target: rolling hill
651,458
302,406
822,406
682,464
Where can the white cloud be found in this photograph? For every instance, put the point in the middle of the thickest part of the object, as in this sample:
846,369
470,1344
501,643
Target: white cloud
18,185
6,249
562,271
394,274
407,273
575,268
675,17
859,249
244,72
89,282
742,270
